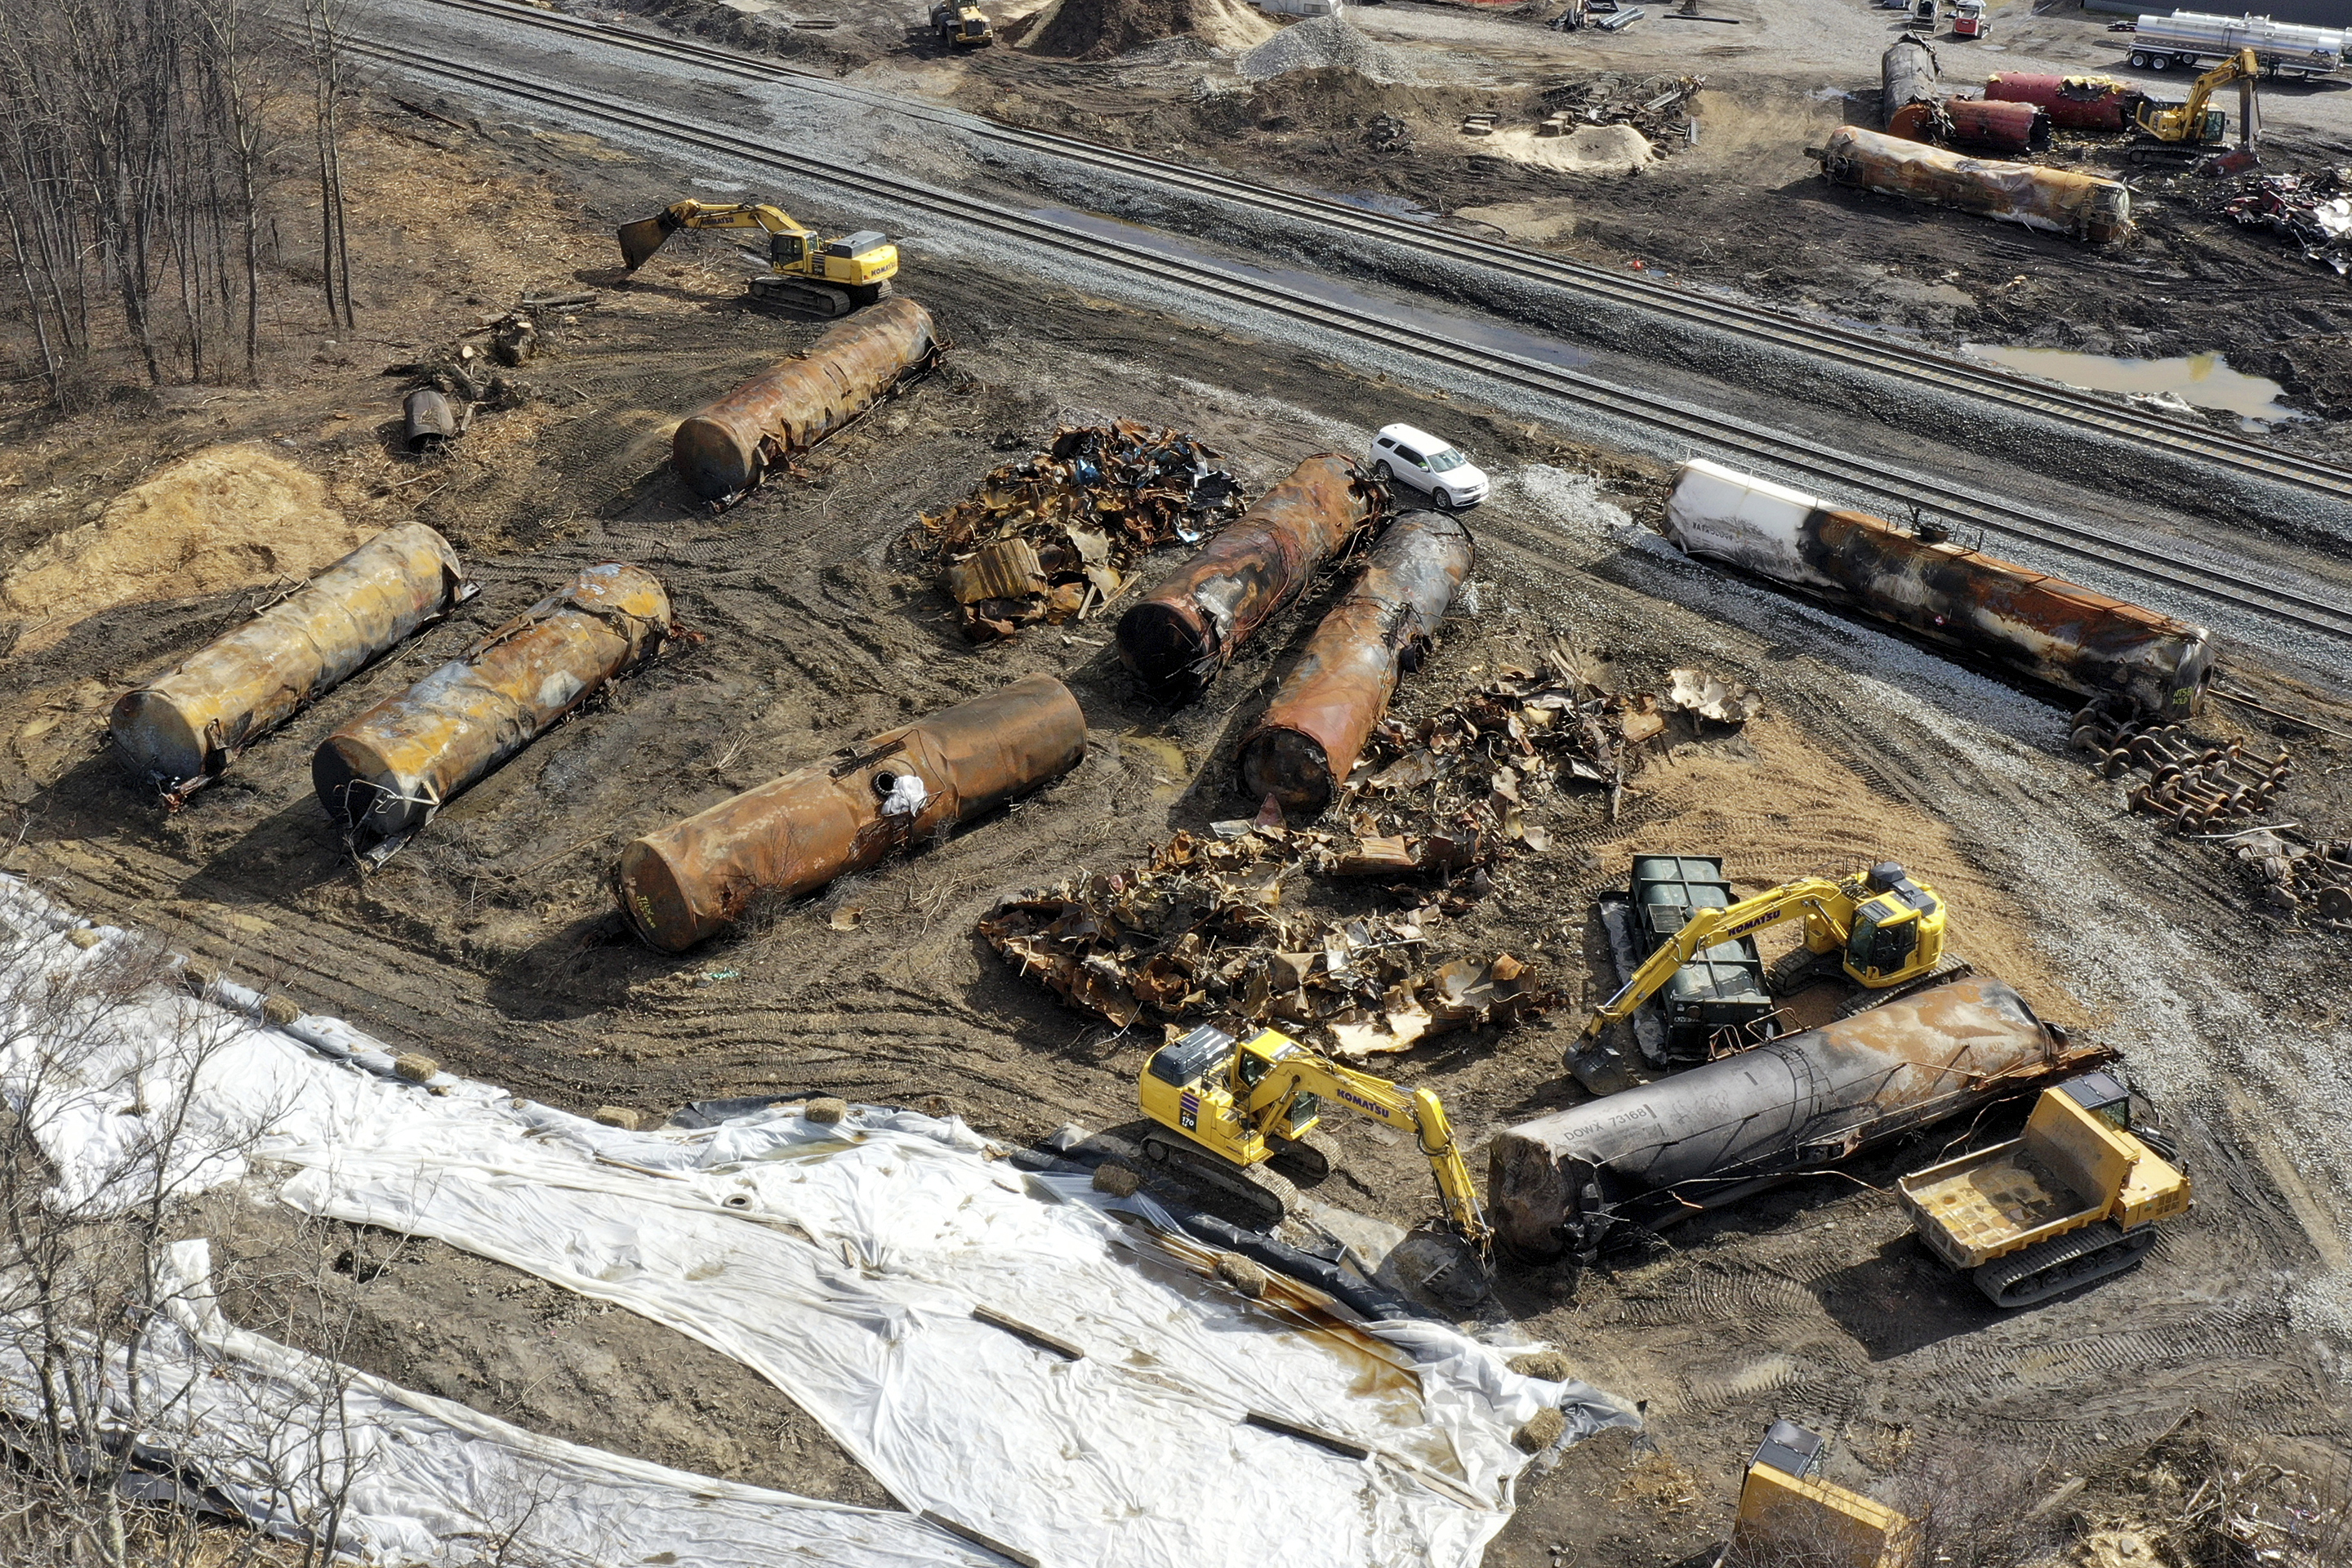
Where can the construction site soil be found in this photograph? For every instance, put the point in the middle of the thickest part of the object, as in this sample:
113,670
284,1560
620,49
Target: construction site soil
491,942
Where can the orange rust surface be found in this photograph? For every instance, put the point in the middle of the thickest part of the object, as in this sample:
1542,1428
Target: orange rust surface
2060,201
1181,633
1306,743
796,833
191,723
395,765
723,449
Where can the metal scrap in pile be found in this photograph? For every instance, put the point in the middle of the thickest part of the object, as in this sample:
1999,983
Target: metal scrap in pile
2201,787
1531,731
1052,537
1197,933
2311,212
1657,106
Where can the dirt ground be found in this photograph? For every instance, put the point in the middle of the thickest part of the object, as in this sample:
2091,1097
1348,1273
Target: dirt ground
491,942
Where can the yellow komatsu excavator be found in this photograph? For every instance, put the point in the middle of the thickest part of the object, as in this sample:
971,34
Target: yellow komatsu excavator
2193,124
1228,1114
806,273
1878,928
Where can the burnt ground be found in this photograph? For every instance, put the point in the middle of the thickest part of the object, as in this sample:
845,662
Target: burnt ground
491,942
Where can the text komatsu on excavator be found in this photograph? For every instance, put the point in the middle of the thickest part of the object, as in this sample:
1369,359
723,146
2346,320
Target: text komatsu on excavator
1226,1112
1880,928
806,273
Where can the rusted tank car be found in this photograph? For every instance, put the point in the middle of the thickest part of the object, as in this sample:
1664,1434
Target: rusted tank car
184,728
386,773
1562,1184
1178,637
2073,102
797,833
726,448
1307,743
1907,74
2041,626
2060,201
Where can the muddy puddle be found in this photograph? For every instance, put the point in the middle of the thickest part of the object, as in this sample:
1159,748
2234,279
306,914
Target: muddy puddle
2200,381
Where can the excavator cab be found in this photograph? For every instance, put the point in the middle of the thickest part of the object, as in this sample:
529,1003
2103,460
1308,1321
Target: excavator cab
787,250
1893,925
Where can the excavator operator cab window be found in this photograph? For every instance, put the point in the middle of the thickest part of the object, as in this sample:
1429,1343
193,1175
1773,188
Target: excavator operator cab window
1883,939
785,249
1250,1067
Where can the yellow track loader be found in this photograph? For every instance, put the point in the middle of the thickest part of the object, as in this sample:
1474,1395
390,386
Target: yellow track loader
1226,1112
806,273
1879,929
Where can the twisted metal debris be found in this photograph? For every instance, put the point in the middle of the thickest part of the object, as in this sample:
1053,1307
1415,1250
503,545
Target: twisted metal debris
1054,536
2311,212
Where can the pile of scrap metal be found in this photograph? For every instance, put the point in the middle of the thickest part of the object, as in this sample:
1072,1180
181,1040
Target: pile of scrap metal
1527,733
1657,106
2201,787
1618,1167
1052,537
1196,933
2302,876
2311,212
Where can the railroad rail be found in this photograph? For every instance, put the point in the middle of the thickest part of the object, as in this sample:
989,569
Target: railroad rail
2272,601
1759,323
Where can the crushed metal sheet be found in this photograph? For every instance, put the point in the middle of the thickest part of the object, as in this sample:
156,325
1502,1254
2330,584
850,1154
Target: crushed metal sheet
2312,213
1055,536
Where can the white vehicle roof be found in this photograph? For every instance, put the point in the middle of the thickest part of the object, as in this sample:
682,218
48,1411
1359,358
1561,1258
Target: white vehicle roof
1420,439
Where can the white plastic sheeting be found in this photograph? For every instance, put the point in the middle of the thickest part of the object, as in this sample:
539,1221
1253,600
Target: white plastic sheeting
409,1478
845,1264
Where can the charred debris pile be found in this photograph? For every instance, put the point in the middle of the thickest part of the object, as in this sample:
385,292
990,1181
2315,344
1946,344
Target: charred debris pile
1056,536
1219,928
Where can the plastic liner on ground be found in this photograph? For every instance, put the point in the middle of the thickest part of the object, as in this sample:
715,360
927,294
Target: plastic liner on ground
2042,628
726,447
2073,102
386,773
2060,201
1640,1158
1306,744
183,729
1192,623
794,833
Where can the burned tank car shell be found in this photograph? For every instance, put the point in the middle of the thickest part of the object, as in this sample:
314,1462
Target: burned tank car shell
1565,1183
2044,627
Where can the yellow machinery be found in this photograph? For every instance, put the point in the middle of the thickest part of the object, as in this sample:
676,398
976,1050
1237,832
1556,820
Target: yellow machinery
2077,1198
1226,1112
2194,125
1879,928
1788,1514
962,25
806,273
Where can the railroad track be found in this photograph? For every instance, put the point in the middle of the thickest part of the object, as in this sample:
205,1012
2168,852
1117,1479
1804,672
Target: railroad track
2275,602
1856,349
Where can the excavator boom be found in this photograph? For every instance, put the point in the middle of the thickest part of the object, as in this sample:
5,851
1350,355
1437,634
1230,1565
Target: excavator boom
640,239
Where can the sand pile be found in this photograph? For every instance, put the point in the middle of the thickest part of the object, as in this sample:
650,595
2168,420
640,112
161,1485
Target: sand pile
226,517
1099,30
1323,41
1587,150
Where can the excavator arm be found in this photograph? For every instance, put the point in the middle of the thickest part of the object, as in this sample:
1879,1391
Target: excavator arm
1301,1071
640,239
1811,896
2185,121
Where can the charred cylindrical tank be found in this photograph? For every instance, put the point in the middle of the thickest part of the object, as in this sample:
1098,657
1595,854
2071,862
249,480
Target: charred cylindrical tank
185,726
430,423
1304,747
1180,634
1907,75
2073,102
2044,627
1997,127
797,833
724,449
1562,1183
2060,201
388,771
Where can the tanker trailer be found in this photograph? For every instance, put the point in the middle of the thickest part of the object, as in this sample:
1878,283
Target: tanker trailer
2042,628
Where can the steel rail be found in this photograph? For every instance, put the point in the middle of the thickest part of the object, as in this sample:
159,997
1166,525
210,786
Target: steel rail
1757,324
2271,601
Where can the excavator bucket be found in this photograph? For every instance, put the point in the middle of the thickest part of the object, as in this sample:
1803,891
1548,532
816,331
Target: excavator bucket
640,239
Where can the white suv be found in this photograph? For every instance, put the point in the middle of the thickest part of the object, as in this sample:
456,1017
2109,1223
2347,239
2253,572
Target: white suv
1415,459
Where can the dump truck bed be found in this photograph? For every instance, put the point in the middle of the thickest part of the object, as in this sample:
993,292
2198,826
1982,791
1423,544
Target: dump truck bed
1981,1206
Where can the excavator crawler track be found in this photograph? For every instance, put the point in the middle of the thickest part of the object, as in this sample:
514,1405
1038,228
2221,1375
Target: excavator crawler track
1309,1159
1268,1193
823,301
2063,1263
1952,967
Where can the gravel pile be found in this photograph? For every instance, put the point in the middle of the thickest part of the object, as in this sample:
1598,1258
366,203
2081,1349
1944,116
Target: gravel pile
1319,42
